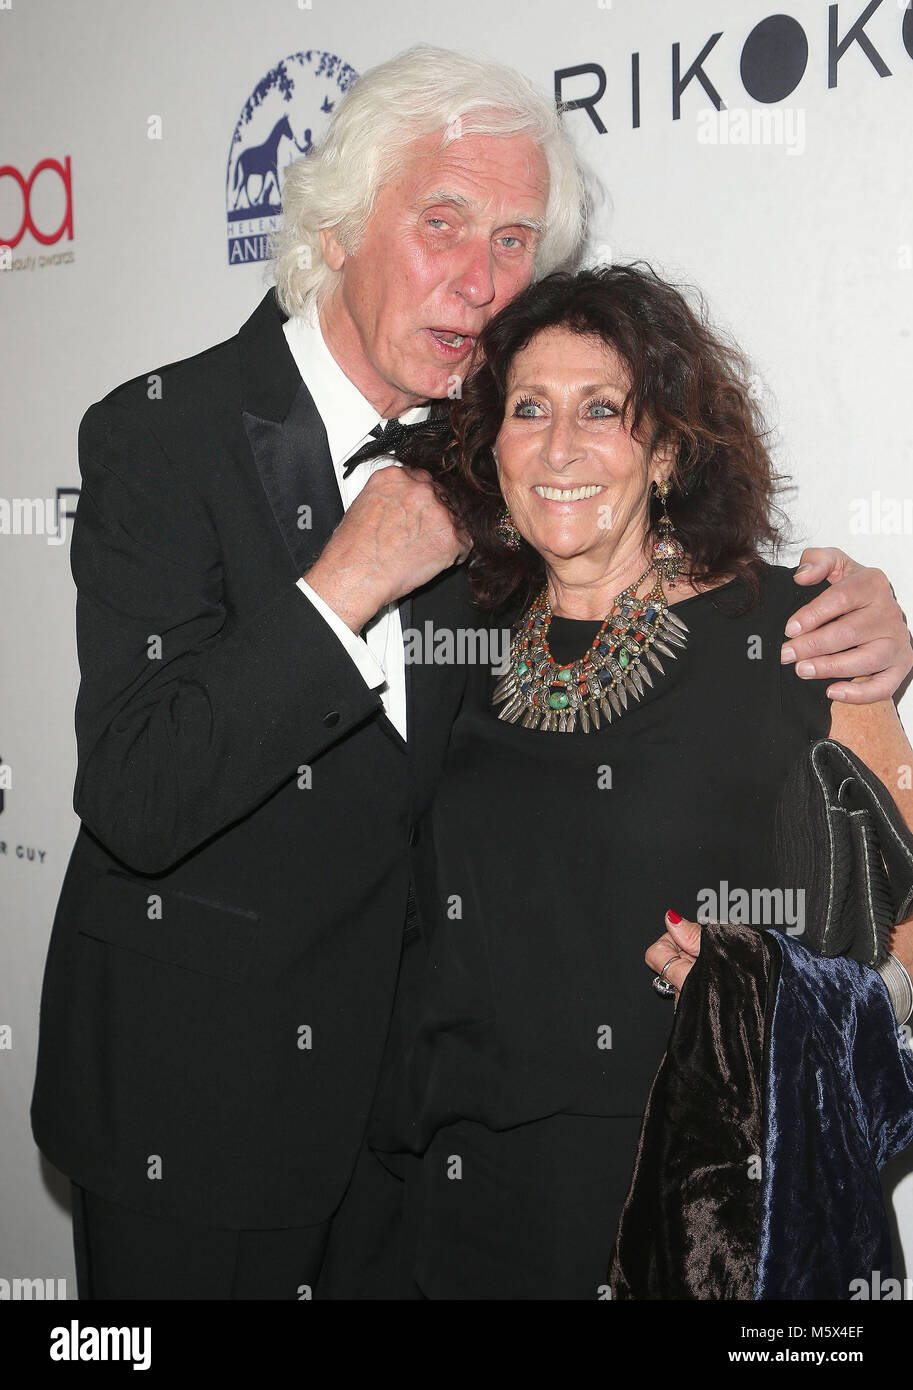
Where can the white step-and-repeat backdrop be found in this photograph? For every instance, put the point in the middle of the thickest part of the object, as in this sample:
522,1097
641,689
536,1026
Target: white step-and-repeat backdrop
764,156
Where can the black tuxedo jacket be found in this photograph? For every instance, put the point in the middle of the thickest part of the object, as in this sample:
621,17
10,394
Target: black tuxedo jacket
224,955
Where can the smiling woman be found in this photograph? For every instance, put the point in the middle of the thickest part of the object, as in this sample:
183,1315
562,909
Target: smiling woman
608,435
608,380
574,478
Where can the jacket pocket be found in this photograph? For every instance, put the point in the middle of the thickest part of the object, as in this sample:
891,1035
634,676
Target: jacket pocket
194,933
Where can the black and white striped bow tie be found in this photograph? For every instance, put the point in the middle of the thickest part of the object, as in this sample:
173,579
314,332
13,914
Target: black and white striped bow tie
387,439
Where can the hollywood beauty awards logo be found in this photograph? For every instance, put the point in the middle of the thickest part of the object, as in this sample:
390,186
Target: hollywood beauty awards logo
285,115
36,208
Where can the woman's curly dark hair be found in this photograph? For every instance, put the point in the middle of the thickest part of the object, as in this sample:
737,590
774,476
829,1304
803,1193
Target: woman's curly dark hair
688,387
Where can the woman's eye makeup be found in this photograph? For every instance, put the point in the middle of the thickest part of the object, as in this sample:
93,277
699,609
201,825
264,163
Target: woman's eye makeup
526,405
606,407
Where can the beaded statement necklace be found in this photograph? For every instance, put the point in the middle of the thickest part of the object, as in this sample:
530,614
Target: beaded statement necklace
541,694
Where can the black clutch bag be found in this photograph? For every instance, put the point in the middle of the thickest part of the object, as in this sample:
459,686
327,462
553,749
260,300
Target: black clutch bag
840,837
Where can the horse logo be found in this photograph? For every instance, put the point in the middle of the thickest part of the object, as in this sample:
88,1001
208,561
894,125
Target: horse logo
259,162
281,120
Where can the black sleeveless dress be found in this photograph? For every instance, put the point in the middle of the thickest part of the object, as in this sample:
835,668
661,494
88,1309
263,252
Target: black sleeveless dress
557,855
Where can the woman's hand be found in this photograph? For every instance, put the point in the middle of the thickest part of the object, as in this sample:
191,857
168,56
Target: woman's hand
680,943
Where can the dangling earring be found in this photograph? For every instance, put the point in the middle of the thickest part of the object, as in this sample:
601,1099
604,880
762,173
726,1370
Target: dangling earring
668,553
505,525
507,530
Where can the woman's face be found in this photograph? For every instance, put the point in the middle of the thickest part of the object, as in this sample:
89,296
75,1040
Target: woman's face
576,483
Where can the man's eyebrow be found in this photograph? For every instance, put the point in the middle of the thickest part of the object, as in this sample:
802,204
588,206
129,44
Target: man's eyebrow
443,195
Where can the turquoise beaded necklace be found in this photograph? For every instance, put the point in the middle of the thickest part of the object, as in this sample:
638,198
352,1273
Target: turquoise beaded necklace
541,693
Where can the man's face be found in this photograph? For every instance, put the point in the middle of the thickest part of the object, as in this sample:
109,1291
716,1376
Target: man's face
450,241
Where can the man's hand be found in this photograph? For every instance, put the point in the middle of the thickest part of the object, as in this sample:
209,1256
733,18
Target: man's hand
681,943
395,537
854,629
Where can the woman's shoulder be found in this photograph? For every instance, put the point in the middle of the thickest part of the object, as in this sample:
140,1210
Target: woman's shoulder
763,609
778,592
767,591
803,702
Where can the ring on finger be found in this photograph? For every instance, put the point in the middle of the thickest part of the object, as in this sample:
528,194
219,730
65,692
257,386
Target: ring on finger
665,988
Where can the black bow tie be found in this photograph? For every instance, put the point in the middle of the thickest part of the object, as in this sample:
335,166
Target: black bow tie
386,440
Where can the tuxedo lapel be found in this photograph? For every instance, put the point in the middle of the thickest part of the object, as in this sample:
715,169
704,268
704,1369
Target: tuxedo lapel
287,437
289,445
296,470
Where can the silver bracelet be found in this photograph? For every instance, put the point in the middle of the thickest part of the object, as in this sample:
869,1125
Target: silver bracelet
899,986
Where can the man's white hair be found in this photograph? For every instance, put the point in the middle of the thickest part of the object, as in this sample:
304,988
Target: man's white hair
420,91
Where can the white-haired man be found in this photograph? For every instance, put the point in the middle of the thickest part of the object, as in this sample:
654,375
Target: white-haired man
255,757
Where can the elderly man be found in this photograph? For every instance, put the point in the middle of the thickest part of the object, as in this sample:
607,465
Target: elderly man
255,756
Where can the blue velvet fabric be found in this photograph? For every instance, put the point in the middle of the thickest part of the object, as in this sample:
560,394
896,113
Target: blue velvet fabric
838,1103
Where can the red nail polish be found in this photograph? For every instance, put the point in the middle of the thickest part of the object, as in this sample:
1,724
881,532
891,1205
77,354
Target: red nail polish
674,918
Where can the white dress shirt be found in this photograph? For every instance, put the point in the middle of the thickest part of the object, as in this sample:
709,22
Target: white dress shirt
349,419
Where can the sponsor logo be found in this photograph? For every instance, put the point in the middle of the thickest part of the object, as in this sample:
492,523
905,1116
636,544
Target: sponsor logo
772,60
38,205
284,116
